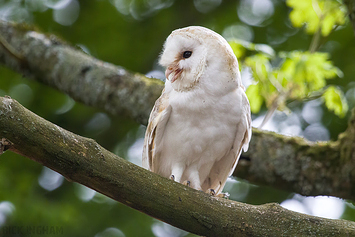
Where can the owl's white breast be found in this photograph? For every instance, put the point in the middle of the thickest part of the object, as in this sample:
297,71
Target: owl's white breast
201,127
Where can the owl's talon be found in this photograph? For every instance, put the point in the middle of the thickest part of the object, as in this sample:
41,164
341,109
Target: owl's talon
223,195
186,183
211,192
172,177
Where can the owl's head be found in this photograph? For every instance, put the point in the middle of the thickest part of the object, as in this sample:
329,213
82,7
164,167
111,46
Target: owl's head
196,52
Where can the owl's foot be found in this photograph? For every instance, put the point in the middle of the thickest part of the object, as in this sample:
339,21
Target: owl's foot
213,193
187,183
223,195
172,177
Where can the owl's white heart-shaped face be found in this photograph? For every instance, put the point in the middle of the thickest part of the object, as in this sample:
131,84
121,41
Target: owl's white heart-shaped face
184,58
192,52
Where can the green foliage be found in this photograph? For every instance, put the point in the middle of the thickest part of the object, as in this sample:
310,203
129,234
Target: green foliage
295,75
317,14
238,48
262,90
303,73
334,100
256,100
298,75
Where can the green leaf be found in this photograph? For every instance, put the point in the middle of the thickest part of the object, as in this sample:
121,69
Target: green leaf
306,72
238,49
260,66
302,13
335,101
297,75
317,14
255,99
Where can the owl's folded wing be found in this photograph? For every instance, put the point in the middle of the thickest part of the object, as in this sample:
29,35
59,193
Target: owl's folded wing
224,167
155,130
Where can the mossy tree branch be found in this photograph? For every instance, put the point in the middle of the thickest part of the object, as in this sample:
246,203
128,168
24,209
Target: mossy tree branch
297,165
93,82
82,160
291,163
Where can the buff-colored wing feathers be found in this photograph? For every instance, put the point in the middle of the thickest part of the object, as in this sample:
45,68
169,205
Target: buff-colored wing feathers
155,129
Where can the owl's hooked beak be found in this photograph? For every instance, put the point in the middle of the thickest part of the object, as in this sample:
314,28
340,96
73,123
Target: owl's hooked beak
172,73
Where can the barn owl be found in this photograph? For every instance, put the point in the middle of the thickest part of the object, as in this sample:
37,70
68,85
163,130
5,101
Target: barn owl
201,122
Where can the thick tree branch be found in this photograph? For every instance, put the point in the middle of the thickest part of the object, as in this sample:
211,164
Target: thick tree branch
84,78
291,163
82,160
297,165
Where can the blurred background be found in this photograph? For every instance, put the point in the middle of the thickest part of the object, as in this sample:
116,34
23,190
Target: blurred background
131,34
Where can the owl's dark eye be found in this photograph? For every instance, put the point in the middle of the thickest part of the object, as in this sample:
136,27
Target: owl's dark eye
187,54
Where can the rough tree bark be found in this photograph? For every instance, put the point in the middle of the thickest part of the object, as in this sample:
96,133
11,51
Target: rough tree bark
86,79
290,163
82,160
295,164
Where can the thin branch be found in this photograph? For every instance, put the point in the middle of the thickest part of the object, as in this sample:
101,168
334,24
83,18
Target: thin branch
315,41
317,35
82,160
11,50
281,98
